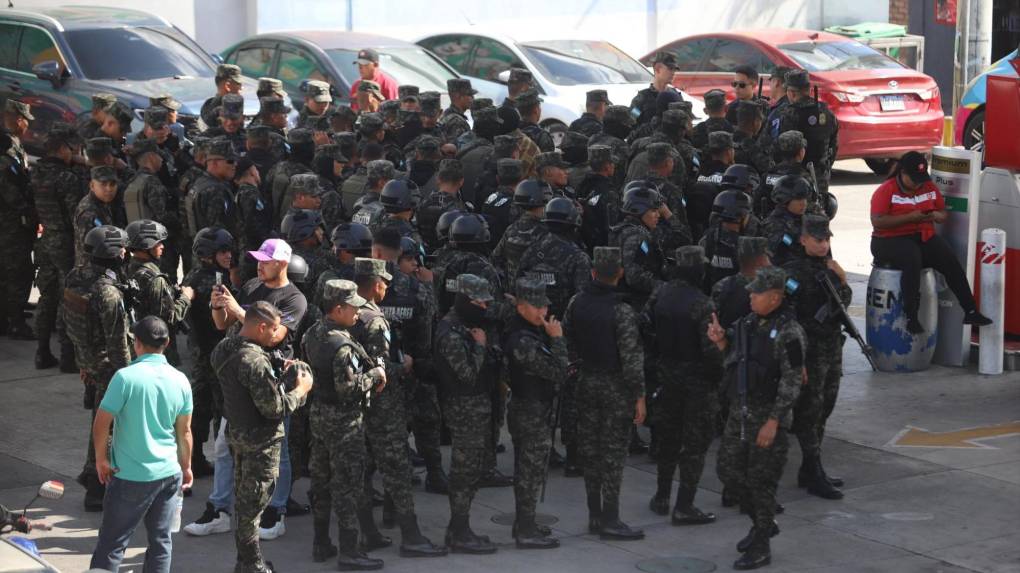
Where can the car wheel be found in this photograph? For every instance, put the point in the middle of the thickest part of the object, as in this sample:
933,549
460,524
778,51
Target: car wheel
974,132
879,165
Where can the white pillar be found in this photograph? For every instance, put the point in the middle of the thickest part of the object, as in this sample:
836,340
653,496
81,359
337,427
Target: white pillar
993,300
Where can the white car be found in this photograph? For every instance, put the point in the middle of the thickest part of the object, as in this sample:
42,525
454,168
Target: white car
563,69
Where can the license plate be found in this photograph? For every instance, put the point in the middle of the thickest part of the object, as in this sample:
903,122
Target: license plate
892,103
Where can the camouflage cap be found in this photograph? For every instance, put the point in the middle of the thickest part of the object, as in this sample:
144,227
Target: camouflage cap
407,90
619,114
480,103
509,169
300,135
573,141
163,100
528,98
790,142
460,86
689,256
270,86
305,184
389,109
142,146
751,247
318,91
683,105
370,123
599,154
427,145
659,152
347,141
333,150
673,119
339,291
430,102
486,115
550,159
766,279
343,111
380,169
749,111
366,267
474,287
98,146
520,75
532,291
370,87
715,100
64,133
273,104
597,96
20,108
797,79
258,132
228,72
504,145
816,226
719,141
103,173
607,260
232,106
156,116
667,59
221,148
103,100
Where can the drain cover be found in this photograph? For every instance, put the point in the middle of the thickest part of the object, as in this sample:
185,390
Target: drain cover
678,564
508,519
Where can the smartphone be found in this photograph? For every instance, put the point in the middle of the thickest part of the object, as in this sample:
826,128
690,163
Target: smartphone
219,281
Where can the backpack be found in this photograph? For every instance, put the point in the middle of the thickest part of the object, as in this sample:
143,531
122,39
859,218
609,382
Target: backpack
134,199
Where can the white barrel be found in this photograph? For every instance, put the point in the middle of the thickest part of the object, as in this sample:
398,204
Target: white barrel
993,300
896,350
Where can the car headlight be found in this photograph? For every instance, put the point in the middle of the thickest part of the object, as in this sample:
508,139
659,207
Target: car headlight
848,97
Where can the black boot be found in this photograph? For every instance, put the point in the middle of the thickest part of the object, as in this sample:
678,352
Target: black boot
758,554
730,498
436,481
745,543
659,503
528,536
684,512
370,536
835,481
594,512
322,549
613,528
571,466
94,492
389,520
44,358
352,559
495,478
460,538
68,365
818,485
413,543
804,475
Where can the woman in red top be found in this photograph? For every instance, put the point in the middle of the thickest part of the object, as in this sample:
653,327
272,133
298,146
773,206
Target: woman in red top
904,211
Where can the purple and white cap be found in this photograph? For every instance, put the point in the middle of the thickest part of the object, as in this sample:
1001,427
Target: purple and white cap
272,250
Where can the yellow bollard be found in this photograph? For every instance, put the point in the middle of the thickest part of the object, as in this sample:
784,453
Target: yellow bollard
947,131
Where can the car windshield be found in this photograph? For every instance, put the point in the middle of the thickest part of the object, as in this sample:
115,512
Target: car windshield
841,55
407,65
602,53
136,54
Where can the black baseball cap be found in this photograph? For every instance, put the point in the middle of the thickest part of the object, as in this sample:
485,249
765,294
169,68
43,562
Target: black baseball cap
915,165
367,56
151,331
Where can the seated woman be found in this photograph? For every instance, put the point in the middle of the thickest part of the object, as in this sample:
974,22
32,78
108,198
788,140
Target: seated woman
904,211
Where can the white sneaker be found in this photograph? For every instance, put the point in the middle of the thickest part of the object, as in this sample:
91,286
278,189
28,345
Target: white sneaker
277,530
212,521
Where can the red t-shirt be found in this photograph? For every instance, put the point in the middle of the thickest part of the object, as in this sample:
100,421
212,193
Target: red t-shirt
891,199
387,84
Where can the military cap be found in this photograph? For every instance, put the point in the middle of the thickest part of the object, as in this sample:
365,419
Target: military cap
768,278
474,287
450,170
751,247
19,108
164,100
318,91
674,119
368,86
532,291
689,256
258,132
520,75
142,146
370,123
430,102
389,108
607,260
339,291
407,90
797,79
122,114
480,103
715,100
270,86
572,142
659,152
667,59
371,268
228,72
222,148
619,114
305,184
791,141
273,104
719,141
528,98
427,145
103,173
599,154
550,159
333,150
597,96
243,165
665,98
99,146
300,135
156,116
749,111
343,111
684,106
460,86
367,56
504,145
380,169
346,141
103,100
816,226
201,144
509,169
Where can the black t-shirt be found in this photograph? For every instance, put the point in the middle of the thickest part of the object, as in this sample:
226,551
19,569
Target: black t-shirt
288,299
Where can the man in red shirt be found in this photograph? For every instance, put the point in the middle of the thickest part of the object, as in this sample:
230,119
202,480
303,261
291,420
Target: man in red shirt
368,69
904,211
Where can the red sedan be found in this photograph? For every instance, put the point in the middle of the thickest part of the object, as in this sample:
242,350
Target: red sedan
884,108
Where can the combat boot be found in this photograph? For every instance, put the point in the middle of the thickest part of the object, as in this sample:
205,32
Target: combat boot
817,484
528,536
835,481
745,543
352,559
571,467
460,538
684,512
68,365
758,554
594,512
322,548
45,359
412,542
613,528
804,475
729,497
371,538
659,503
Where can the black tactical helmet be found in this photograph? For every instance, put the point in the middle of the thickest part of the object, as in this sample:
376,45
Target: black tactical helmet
562,211
445,222
297,269
410,248
732,205
469,228
106,242
212,240
830,205
145,234
532,193
739,176
351,237
789,188
639,196
301,224
399,195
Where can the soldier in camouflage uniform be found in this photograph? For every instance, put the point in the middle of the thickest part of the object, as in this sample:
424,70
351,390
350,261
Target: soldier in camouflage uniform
530,197
453,122
317,102
87,124
641,250
231,123
602,332
97,323
446,197
399,199
254,214
643,106
255,403
18,221
368,210
537,357
349,241
616,127
211,198
590,122
770,345
677,317
499,207
816,121
790,194
790,150
729,295
529,105
94,210
749,149
600,197
278,181
302,229
329,164
228,81
824,329
147,197
715,108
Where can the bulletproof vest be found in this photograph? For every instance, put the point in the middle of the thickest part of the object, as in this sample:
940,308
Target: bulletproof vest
525,232
524,384
238,405
369,214
498,210
280,185
721,252
134,198
763,203
257,223
204,335
699,202
448,383
642,107
405,228
546,263
763,368
734,301
359,331
446,287
81,315
353,188
677,333
815,122
320,346
786,246
649,254
593,318
400,301
428,215
48,201
145,275
809,299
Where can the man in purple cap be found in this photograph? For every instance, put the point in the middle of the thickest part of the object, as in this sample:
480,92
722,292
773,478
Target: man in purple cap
368,69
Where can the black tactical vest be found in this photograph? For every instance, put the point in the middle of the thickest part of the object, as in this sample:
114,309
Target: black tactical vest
320,349
448,383
721,251
677,333
734,302
524,384
763,366
237,401
593,319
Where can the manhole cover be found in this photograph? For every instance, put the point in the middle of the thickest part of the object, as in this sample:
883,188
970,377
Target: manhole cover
676,565
508,519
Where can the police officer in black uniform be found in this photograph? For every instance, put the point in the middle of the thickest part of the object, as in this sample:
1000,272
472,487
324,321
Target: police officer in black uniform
590,122
732,210
818,124
643,106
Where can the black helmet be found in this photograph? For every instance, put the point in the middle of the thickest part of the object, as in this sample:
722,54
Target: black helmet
445,222
399,195
562,211
732,205
105,242
531,193
297,269
739,176
469,228
300,224
410,248
789,188
351,237
145,234
830,205
639,197
212,240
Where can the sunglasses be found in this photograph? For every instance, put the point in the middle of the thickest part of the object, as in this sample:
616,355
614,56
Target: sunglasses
739,84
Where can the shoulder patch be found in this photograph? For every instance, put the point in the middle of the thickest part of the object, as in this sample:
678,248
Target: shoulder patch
787,239
644,247
791,287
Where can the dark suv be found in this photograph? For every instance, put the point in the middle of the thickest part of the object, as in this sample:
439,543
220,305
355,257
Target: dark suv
56,58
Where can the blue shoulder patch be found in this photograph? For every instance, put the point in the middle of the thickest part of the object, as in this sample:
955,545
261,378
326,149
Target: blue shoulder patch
792,285
787,239
355,362
644,247
97,222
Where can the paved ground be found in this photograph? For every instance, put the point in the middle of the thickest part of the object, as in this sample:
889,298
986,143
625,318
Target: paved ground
950,506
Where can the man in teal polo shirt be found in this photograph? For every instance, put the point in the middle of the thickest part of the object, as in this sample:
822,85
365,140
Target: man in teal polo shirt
149,404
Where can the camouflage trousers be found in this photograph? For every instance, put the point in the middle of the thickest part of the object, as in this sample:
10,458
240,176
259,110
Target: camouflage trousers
16,267
386,429
426,422
752,473
299,442
96,384
337,463
256,467
55,257
528,421
685,415
818,397
605,417
469,419
568,410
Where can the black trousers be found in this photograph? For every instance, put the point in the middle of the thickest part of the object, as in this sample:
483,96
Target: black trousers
910,255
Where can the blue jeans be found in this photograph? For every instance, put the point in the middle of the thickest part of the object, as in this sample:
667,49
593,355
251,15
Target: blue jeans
126,504
222,495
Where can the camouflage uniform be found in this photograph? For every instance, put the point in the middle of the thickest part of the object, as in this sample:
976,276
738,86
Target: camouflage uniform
157,205
522,233
213,205
255,215
782,229
158,296
820,128
642,259
18,223
587,124
89,214
751,151
539,136
699,137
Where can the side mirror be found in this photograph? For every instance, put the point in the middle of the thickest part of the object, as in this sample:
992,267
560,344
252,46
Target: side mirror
51,490
49,71
504,76
216,57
